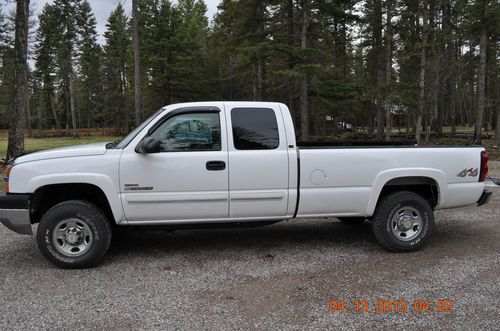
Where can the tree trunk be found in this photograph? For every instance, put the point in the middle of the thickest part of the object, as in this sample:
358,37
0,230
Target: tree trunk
28,119
432,84
54,112
254,79
40,117
260,79
231,78
21,91
388,71
421,96
496,87
448,80
421,83
456,92
258,62
72,101
304,84
137,64
497,129
290,41
481,76
377,38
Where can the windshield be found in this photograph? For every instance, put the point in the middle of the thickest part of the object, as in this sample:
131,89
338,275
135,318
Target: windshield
128,138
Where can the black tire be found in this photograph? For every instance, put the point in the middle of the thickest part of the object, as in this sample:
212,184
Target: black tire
384,222
352,220
80,212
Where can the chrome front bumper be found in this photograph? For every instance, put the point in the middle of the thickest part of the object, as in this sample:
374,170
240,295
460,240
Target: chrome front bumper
15,212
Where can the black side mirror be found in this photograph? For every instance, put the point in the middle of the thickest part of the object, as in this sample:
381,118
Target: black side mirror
149,145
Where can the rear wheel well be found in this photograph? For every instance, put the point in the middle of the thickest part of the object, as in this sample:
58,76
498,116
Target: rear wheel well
424,186
48,196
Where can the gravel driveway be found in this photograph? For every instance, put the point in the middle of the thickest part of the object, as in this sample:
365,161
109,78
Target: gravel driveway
278,277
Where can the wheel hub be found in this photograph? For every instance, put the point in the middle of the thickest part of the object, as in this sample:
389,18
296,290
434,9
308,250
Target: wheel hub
73,236
404,223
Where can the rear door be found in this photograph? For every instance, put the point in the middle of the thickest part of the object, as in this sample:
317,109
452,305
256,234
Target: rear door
258,160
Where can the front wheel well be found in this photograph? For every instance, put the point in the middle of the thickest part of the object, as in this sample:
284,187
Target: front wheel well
426,187
46,197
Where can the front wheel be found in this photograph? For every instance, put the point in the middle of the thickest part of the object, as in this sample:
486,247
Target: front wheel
403,222
74,234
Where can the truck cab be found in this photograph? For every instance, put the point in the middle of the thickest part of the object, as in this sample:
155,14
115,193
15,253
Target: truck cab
230,161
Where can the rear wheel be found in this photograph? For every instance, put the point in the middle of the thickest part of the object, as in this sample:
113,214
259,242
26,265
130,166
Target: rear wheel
74,234
352,220
403,222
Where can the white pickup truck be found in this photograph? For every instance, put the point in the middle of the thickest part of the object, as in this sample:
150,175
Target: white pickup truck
209,164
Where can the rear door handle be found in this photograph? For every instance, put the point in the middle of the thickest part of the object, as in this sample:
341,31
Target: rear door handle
216,165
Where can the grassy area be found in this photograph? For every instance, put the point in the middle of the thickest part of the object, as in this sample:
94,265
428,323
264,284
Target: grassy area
36,144
489,144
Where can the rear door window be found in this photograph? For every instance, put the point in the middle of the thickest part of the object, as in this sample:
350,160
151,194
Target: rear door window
254,128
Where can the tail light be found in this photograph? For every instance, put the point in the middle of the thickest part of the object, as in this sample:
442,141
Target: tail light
6,178
484,166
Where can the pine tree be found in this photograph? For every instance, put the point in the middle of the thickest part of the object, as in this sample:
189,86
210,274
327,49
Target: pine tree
21,93
481,76
6,68
137,63
45,66
89,83
116,69
304,81
334,63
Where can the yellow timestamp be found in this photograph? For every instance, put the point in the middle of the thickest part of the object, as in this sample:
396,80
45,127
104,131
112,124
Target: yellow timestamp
385,306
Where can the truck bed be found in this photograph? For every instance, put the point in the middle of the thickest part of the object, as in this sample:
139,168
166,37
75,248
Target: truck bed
346,179
354,143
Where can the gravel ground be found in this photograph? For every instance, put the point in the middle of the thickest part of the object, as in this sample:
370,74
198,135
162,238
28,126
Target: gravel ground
278,277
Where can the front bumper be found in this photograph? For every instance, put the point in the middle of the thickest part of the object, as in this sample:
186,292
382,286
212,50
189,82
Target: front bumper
485,197
15,212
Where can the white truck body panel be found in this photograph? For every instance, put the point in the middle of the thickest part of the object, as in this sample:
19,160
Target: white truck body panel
349,181
71,151
254,190
176,187
99,169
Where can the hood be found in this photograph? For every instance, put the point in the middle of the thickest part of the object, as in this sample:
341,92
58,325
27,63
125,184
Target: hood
71,151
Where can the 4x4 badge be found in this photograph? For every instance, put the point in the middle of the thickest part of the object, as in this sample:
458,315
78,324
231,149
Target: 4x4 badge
470,172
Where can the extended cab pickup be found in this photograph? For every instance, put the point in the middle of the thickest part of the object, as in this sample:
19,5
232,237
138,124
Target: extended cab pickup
209,164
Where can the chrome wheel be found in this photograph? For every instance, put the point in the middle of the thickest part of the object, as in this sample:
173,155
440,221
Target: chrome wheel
72,237
406,223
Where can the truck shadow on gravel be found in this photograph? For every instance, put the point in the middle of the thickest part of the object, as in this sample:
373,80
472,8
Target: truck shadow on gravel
320,234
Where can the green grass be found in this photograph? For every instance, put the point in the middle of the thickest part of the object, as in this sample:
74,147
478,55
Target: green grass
37,144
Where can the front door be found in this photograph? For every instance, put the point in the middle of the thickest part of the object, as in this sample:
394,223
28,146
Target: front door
187,180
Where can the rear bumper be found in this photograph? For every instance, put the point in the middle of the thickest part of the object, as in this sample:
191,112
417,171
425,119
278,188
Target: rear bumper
485,198
15,212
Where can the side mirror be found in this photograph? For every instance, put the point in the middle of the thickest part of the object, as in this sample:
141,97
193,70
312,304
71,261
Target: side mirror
149,145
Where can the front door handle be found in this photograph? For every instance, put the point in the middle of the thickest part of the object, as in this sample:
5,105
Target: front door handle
216,165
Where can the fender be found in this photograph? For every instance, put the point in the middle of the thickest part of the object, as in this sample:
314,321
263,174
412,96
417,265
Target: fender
385,176
103,182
